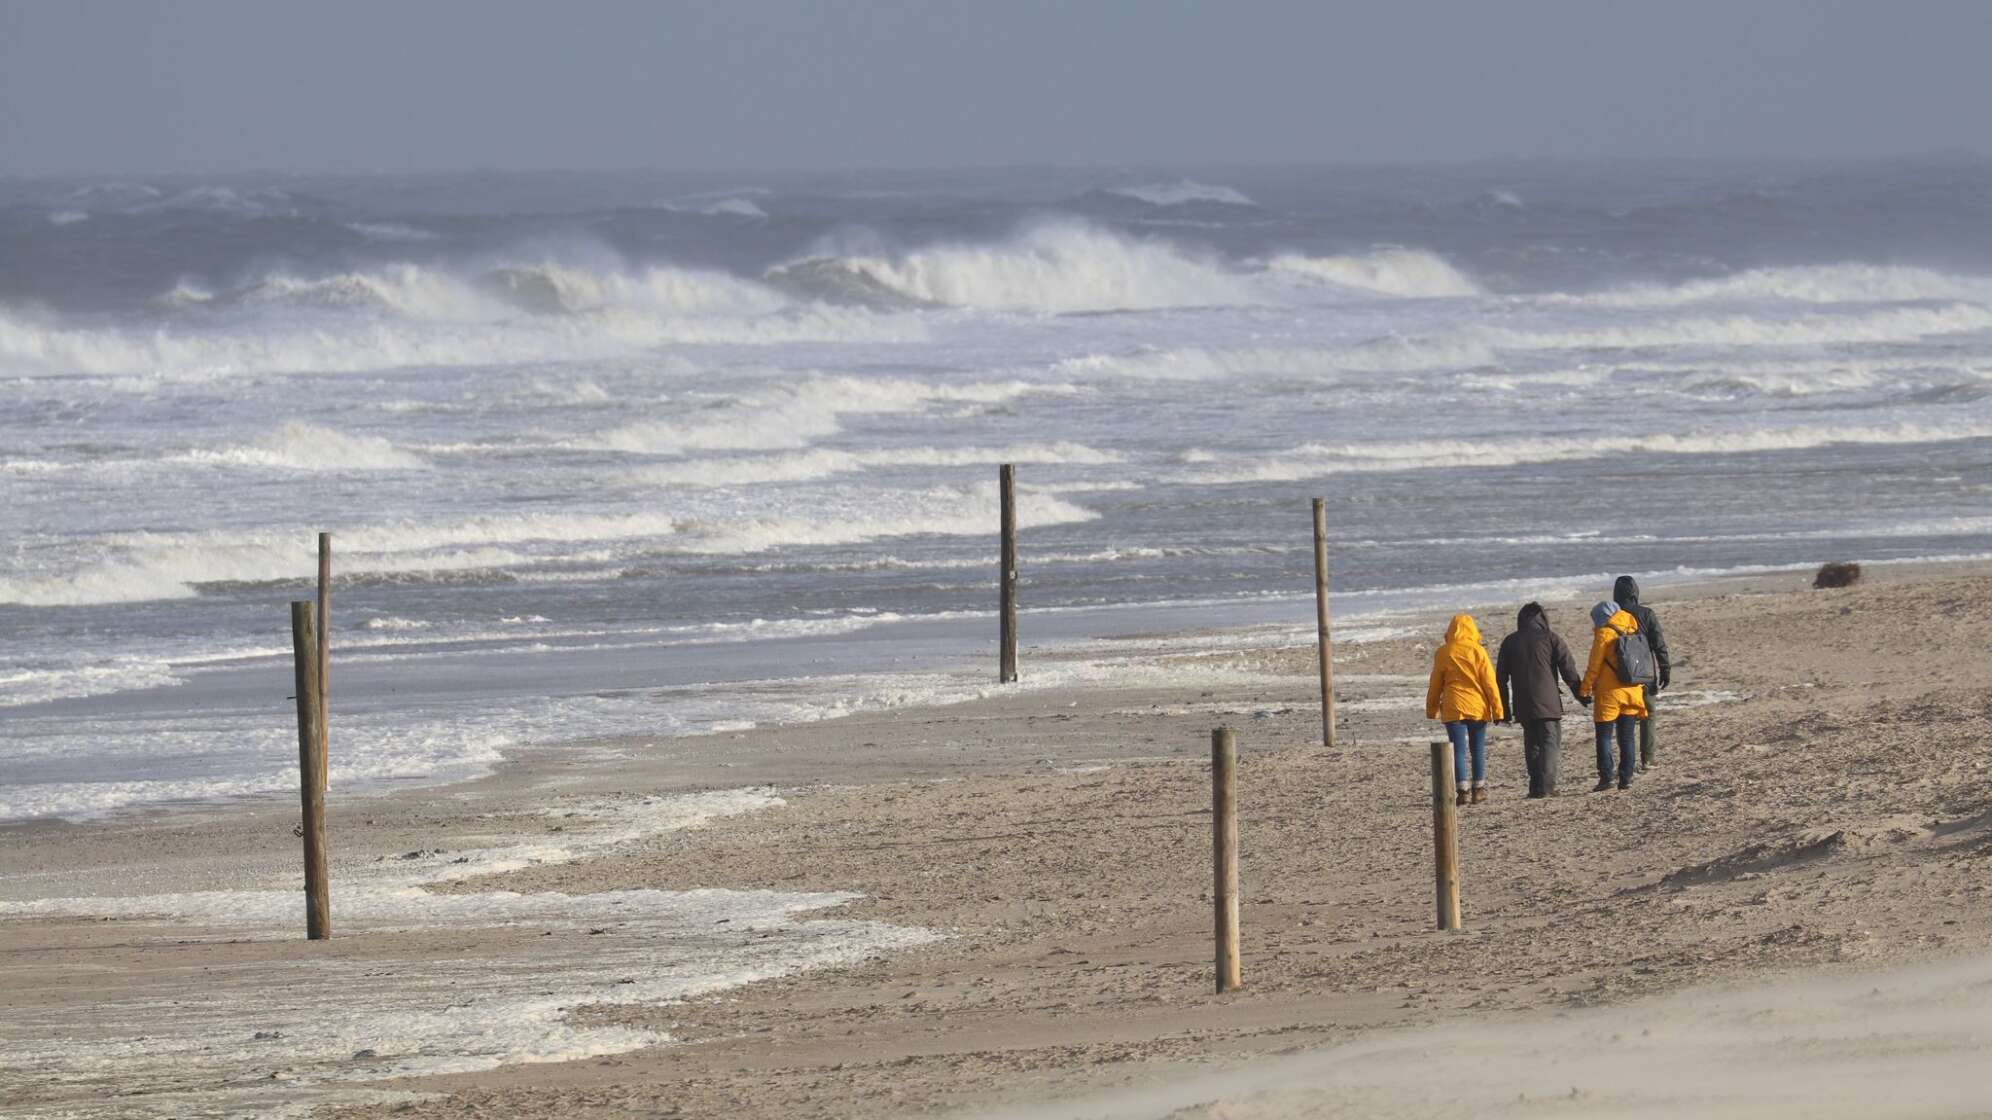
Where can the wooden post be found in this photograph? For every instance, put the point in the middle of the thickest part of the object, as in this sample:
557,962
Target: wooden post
311,770
1007,485
1321,624
1445,836
325,658
1224,845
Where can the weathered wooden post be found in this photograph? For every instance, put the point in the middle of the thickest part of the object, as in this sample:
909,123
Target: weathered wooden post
1321,624
325,658
1445,836
311,770
1007,485
1224,844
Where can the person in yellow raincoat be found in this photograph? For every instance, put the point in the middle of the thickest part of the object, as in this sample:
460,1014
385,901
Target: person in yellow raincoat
1616,707
1464,695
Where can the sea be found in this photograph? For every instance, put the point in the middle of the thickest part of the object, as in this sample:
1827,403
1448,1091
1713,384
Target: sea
619,458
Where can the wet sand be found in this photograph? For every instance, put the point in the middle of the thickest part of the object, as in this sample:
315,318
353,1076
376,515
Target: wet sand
1823,802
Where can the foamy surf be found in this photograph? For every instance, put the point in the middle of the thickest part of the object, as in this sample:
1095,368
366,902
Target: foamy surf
712,448
355,1021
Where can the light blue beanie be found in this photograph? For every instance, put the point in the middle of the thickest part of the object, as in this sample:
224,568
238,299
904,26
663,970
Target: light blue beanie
1601,615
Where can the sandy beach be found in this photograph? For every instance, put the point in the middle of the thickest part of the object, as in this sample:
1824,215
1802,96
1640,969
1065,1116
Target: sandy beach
1004,903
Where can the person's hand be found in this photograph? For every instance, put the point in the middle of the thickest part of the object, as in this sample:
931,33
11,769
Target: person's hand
1666,678
1584,700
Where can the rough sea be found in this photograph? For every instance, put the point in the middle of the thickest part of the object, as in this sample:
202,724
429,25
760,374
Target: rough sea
633,453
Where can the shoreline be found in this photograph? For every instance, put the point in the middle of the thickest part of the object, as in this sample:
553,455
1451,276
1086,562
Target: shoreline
1057,838
1389,621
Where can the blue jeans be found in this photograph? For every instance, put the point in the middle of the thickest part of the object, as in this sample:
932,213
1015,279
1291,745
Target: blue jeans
1626,729
1465,732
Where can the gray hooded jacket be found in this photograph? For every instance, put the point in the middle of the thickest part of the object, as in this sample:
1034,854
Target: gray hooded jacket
1626,591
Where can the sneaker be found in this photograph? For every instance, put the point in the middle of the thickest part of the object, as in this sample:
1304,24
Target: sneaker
1603,785
1625,783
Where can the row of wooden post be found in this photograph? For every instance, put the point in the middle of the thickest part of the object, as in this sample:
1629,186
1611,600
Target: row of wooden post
1006,581
311,640
1224,849
1223,745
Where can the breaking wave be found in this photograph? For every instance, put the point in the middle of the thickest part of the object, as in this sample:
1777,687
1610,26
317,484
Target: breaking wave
1388,271
1051,266
825,463
793,415
134,567
1834,283
309,447
413,316
1317,460
1182,192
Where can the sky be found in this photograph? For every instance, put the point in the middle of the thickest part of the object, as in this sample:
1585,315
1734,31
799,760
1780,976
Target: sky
361,85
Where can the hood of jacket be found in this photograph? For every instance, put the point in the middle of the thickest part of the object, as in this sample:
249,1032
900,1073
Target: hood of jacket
1462,631
1532,616
1626,592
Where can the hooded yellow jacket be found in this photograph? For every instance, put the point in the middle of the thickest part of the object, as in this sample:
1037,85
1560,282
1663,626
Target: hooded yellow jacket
1610,696
1462,677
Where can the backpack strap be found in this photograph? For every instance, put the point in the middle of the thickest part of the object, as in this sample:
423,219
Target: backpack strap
1619,669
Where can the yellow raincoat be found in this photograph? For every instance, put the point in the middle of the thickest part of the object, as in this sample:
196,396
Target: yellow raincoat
1462,677
1610,696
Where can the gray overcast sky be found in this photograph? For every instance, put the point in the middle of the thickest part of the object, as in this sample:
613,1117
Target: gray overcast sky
358,85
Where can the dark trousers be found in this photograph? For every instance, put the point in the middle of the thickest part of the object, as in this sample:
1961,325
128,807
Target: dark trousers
1626,729
1647,751
1542,748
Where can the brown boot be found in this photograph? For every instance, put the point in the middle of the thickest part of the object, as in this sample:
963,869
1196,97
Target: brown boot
1479,794
1462,799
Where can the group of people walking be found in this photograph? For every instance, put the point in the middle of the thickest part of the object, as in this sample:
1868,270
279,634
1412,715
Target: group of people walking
1628,667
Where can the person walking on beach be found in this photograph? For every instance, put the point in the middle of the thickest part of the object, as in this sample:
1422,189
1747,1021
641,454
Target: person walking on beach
1617,705
1527,669
1463,694
1625,592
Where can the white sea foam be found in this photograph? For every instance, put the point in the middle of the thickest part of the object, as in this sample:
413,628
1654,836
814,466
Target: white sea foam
943,511
1390,271
1316,460
135,567
392,231
1390,354
730,206
415,315
1181,192
825,463
1834,283
391,622
1901,324
67,217
441,1015
299,446
1054,265
39,685
144,565
796,414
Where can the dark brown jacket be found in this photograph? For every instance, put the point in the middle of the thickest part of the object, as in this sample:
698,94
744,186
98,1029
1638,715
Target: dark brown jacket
1531,660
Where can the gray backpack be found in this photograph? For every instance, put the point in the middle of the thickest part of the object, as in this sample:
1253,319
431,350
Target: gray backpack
1635,659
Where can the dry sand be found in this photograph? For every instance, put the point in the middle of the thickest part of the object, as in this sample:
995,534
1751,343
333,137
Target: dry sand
1823,806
